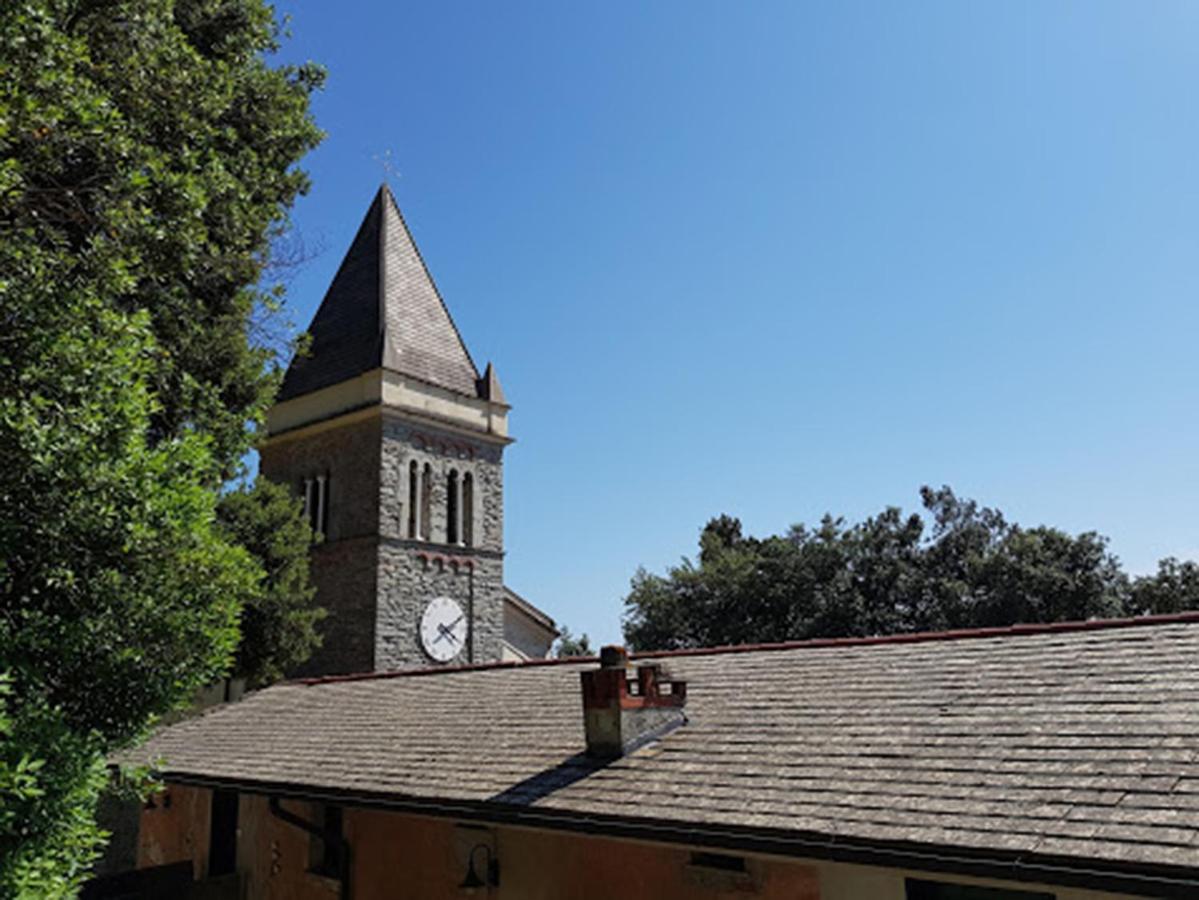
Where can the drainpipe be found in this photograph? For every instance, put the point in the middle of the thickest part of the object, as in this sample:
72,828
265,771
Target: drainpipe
470,614
339,841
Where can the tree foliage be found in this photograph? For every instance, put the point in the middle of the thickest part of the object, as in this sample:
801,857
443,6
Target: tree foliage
278,625
959,565
147,153
569,645
153,131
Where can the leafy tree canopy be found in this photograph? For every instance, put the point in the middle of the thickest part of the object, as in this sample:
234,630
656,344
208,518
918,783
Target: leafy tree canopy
278,625
959,565
149,142
147,157
570,645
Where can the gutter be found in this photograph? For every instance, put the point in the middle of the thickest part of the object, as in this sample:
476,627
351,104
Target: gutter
339,840
1146,880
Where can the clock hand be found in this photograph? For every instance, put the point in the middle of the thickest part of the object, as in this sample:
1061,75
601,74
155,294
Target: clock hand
447,633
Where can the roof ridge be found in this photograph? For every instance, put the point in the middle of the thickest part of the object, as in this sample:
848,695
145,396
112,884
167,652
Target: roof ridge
916,637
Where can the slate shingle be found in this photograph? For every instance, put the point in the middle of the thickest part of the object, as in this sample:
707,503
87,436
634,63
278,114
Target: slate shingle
1068,744
382,309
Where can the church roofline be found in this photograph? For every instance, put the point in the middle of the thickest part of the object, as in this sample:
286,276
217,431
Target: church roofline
383,309
396,394
385,190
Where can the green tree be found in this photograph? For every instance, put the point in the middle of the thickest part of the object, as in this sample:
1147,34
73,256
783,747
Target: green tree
158,126
147,159
570,646
958,565
278,625
1173,588
118,594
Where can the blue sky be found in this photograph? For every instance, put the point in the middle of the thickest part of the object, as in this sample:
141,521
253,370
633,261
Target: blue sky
778,259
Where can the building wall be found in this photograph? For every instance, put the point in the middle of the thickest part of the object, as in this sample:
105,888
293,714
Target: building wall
345,574
412,571
405,857
273,857
372,575
348,451
404,443
525,638
344,563
174,828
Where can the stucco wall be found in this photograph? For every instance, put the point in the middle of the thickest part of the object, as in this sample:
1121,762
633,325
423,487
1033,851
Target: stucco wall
405,857
523,637
174,828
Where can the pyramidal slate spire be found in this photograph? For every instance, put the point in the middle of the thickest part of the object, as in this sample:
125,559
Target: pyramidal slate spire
384,311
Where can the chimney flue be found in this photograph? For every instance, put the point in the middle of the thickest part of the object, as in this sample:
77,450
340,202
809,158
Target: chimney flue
618,717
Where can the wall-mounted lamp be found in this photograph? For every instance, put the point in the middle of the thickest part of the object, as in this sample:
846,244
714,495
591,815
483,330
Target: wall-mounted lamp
491,872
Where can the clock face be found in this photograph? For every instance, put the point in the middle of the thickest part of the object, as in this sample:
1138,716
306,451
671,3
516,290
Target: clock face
443,629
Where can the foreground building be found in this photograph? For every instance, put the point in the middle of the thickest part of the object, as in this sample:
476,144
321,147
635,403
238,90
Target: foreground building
1027,763
395,441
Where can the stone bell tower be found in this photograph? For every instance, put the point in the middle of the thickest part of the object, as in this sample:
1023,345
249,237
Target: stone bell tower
395,442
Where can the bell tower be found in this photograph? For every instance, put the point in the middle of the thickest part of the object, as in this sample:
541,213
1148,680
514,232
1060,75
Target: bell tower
395,442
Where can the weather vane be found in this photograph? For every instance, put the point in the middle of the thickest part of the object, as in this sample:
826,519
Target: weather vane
388,165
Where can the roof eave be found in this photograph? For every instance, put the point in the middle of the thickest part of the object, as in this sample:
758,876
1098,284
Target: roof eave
1102,875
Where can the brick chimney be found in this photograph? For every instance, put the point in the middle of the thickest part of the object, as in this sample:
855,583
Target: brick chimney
621,713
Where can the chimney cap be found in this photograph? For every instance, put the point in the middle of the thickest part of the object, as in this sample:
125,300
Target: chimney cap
613,656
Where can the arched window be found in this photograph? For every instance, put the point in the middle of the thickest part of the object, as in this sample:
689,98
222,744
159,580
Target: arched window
413,487
452,506
468,509
426,501
316,503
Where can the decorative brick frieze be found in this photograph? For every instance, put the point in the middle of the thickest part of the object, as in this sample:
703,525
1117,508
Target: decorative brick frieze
444,559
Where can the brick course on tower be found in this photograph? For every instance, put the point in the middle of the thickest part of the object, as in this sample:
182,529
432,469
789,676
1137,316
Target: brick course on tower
395,440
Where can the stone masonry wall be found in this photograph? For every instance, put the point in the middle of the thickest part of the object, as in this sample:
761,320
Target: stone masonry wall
372,575
344,573
409,579
413,571
349,456
344,564
403,444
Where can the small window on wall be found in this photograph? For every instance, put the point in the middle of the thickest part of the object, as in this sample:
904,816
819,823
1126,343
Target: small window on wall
722,873
316,503
943,890
720,861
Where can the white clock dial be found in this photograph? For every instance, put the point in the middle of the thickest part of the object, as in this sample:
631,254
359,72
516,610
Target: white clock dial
443,629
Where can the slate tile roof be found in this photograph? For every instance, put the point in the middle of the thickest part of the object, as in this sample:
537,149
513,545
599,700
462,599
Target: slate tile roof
1076,744
382,309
